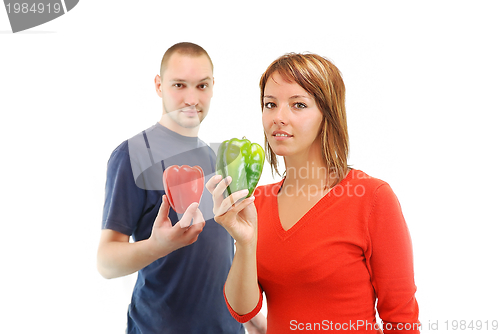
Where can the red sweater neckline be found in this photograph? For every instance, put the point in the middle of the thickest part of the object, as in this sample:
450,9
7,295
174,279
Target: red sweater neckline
308,216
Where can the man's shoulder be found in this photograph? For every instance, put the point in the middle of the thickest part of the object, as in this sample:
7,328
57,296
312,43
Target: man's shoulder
123,147
130,150
119,152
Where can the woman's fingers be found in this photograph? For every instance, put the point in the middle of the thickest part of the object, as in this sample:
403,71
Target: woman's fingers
229,218
239,220
212,183
227,210
230,201
217,187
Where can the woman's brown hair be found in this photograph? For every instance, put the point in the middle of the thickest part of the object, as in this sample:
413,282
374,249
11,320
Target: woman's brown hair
322,80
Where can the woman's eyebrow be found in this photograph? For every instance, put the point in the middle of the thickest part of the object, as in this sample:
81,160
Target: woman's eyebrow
291,97
299,96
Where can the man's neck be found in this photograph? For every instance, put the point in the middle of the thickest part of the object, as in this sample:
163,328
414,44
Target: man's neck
173,126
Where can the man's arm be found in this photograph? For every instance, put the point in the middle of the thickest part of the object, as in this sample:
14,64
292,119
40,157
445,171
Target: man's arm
117,257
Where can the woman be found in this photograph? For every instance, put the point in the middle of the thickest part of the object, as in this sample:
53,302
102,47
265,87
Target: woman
327,244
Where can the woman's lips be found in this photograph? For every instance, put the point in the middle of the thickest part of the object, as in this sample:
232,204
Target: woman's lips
281,135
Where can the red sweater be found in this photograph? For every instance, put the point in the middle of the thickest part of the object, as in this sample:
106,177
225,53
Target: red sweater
346,257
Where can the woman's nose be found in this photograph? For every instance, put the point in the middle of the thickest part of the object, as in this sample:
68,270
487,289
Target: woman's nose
281,115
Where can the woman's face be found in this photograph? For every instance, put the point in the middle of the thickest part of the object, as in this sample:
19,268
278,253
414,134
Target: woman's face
290,117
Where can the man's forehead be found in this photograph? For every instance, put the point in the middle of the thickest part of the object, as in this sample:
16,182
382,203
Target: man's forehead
179,79
182,55
182,70
200,59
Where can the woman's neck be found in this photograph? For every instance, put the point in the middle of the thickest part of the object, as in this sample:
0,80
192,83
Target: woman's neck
308,169
309,172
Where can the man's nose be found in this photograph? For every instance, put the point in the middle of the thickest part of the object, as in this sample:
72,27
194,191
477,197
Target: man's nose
191,98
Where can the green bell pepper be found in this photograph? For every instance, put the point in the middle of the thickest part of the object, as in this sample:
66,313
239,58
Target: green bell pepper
243,161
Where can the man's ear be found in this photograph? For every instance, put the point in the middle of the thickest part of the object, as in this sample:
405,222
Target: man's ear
158,85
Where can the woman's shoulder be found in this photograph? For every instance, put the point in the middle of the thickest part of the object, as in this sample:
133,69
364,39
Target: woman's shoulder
267,190
360,181
358,176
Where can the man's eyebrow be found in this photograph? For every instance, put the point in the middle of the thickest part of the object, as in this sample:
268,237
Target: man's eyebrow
182,80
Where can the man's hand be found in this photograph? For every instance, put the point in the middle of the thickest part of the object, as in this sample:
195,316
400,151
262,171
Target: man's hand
117,257
166,238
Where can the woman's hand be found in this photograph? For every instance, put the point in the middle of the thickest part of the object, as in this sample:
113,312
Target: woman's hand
235,213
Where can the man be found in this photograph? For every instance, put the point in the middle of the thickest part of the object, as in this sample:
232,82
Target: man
182,265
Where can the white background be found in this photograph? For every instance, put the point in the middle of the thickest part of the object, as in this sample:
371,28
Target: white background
422,81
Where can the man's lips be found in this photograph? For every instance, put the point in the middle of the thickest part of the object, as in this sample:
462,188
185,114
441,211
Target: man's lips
190,111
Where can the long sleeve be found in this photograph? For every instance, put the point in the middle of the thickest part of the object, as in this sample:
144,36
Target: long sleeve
245,317
391,264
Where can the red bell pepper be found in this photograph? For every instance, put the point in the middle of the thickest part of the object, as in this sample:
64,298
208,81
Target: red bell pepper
183,185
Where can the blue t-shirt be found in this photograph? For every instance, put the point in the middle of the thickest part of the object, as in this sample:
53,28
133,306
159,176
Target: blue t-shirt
183,291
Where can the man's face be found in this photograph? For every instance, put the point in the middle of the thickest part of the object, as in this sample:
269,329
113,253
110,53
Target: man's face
187,81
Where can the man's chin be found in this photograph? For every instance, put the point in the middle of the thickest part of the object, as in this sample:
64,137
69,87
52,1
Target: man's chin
194,120
190,123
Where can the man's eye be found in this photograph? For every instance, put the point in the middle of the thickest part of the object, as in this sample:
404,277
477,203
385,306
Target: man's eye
203,86
269,105
178,85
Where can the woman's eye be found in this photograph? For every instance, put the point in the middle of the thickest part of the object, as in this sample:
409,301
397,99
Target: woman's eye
269,105
299,105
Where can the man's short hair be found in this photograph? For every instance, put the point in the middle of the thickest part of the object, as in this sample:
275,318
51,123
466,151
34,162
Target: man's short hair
183,48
